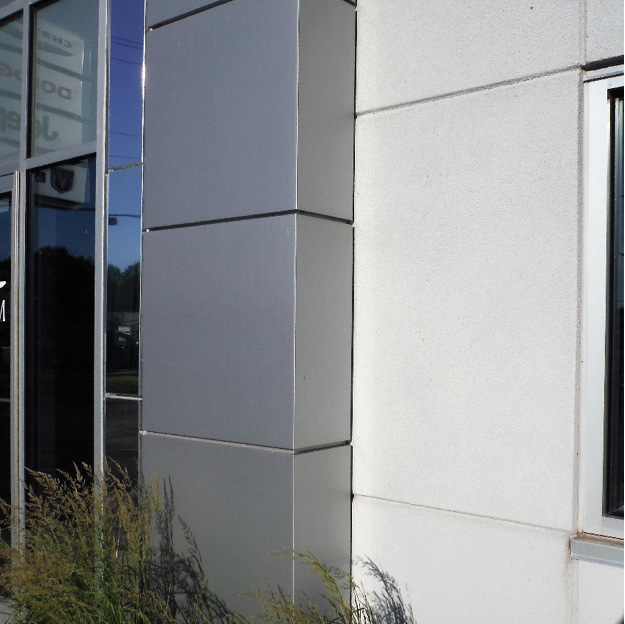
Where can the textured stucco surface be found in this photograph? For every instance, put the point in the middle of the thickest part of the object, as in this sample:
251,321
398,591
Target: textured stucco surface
604,29
467,305
465,329
411,50
466,569
600,593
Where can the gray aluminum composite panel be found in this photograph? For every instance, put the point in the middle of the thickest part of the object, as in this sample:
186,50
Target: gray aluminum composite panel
221,114
238,347
327,52
322,511
217,324
159,11
162,10
246,323
239,504
249,110
244,505
323,331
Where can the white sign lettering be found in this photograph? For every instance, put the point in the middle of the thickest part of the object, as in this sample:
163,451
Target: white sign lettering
59,82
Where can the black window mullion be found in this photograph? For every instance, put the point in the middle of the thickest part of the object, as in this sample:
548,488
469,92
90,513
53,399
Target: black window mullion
613,478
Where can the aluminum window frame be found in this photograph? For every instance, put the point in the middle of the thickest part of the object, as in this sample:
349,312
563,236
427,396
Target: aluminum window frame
597,137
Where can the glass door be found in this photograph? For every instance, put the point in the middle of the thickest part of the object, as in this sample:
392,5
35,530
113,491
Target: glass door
52,238
59,331
55,130
7,420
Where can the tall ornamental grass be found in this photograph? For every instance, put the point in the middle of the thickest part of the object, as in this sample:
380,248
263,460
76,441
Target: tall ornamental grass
100,550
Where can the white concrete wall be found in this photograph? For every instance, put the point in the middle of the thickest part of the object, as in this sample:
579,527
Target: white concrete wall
603,29
467,304
600,594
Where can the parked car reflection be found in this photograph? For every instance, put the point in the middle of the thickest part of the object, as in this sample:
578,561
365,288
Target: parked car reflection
122,352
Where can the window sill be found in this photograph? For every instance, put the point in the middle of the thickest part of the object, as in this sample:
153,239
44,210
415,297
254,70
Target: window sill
597,550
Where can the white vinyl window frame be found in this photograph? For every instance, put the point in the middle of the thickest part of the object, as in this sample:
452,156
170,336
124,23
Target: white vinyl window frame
596,206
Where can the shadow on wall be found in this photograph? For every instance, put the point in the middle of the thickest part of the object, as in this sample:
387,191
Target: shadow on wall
389,605
139,576
383,606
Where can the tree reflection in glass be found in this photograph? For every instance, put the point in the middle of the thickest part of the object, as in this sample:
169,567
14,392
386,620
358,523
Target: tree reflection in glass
60,316
124,251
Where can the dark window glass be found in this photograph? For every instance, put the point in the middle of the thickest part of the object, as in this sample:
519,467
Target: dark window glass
124,255
10,88
614,465
5,349
60,316
122,433
64,75
126,83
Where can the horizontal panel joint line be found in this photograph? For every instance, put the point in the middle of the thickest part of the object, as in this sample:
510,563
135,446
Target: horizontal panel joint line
244,445
468,91
266,215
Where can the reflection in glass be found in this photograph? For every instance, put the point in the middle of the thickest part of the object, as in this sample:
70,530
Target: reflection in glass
614,473
10,88
126,83
60,311
64,75
122,434
124,255
5,349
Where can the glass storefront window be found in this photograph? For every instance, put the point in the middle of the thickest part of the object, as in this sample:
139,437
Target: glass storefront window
126,83
63,93
10,89
122,434
124,257
5,349
60,316
63,243
613,486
